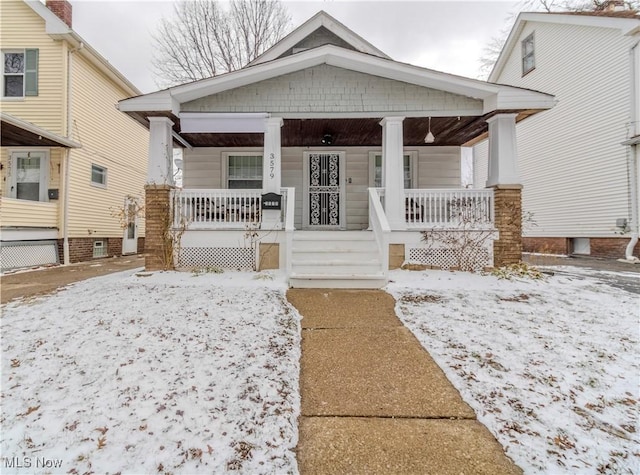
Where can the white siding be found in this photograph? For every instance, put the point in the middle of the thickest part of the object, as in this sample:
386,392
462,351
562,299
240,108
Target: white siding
438,167
573,168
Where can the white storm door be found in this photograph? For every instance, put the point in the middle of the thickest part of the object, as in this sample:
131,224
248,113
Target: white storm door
130,238
324,203
29,176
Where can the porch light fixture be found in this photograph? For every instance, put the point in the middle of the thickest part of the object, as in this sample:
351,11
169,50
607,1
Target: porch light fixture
430,137
327,139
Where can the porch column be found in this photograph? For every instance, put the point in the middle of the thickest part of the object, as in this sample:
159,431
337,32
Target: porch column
160,165
393,176
272,160
272,169
504,178
158,243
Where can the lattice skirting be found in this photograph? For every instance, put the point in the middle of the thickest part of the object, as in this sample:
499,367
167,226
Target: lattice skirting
16,254
222,257
448,258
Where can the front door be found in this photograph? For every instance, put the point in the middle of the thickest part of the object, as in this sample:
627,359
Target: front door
323,205
130,238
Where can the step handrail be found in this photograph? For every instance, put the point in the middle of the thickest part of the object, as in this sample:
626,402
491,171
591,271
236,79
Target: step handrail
289,227
381,229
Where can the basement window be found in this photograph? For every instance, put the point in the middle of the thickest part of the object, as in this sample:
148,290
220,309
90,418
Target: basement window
99,249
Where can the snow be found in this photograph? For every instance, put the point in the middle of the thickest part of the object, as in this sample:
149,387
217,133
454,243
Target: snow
162,373
550,366
198,373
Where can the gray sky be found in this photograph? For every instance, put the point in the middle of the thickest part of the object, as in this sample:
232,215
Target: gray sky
443,35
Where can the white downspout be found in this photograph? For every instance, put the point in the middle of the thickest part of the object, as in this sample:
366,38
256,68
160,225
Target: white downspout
67,158
634,152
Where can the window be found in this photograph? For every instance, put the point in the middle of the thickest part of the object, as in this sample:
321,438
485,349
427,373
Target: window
528,58
376,172
98,175
244,172
99,249
19,73
29,175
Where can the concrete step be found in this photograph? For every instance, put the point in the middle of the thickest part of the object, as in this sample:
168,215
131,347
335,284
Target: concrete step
337,281
333,236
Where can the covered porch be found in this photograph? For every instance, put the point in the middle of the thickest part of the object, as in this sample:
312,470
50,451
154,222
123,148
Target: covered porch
331,162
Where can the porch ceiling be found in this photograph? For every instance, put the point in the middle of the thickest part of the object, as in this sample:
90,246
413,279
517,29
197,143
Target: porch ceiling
352,132
448,131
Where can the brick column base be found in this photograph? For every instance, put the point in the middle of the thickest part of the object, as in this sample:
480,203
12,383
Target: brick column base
507,249
158,244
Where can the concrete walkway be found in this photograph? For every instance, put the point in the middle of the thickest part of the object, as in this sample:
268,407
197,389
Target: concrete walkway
374,401
43,281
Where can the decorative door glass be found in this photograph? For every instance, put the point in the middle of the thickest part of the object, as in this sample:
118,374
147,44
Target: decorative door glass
324,189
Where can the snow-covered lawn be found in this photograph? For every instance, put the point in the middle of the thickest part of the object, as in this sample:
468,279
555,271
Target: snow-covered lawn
183,373
169,373
551,367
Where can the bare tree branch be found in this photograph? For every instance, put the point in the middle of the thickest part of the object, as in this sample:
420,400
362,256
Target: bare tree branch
203,39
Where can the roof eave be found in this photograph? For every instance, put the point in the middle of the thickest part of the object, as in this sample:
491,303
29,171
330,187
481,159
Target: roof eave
627,27
319,19
36,130
59,30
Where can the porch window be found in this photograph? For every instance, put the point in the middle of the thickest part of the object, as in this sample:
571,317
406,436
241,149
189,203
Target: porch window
375,171
244,172
19,73
29,175
528,57
98,175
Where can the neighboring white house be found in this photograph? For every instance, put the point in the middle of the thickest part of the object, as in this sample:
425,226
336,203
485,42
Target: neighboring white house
363,151
578,162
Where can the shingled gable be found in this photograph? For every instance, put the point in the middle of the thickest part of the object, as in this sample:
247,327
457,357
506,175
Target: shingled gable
320,29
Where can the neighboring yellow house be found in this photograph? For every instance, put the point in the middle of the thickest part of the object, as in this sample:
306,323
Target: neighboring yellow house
73,167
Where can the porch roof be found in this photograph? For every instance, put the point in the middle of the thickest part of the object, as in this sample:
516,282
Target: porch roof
350,126
18,132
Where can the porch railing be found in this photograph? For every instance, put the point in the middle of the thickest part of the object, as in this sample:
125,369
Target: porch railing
381,230
220,208
446,208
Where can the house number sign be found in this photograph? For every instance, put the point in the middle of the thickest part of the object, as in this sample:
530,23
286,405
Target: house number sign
272,165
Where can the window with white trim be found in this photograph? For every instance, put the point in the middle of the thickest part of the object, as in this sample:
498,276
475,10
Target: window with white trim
528,55
98,175
375,171
244,171
19,73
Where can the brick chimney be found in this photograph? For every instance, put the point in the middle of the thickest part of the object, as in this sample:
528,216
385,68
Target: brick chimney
62,9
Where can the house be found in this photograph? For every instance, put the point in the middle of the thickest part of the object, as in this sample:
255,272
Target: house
73,167
579,163
325,158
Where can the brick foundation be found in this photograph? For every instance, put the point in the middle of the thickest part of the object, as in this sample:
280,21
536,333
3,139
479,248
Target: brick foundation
545,245
158,255
507,249
608,248
81,249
